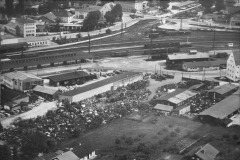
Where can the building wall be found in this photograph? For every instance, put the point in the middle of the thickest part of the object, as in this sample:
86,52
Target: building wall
29,30
39,43
8,82
233,71
127,6
184,110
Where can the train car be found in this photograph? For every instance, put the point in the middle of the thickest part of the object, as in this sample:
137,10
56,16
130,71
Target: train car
153,35
120,54
39,60
162,50
162,45
186,44
6,48
184,32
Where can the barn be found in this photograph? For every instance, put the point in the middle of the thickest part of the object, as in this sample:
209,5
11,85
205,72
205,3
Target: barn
77,77
180,58
222,111
46,93
101,86
222,92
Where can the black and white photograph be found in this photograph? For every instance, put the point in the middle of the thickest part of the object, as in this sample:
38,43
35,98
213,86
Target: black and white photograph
119,79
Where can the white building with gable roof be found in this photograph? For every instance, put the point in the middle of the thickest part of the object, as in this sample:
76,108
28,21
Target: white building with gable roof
233,66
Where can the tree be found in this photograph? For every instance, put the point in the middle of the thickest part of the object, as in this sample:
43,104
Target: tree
18,31
9,7
5,152
164,4
34,142
1,127
220,5
91,21
20,7
117,11
110,18
207,4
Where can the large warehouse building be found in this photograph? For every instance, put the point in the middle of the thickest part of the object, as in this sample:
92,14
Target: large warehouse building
101,86
222,111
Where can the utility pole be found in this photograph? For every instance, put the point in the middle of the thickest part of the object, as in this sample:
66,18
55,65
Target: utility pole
214,37
181,24
122,27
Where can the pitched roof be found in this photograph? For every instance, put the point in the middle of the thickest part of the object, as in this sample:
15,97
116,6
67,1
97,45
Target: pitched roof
44,90
163,107
11,25
61,13
178,96
68,76
224,108
208,152
204,63
66,156
236,55
100,83
24,20
20,75
182,56
224,88
48,156
50,16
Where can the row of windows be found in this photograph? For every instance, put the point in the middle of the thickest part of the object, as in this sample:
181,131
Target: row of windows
30,28
38,59
37,43
30,31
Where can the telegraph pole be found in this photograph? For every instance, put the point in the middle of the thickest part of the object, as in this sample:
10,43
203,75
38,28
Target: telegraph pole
89,44
181,24
214,38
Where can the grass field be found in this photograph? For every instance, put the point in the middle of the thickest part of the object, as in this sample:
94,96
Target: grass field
155,135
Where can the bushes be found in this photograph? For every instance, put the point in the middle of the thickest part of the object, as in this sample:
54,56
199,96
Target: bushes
117,141
108,31
129,141
177,130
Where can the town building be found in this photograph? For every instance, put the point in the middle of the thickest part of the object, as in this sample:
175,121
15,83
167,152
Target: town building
128,6
179,59
21,81
177,98
233,66
23,27
46,93
223,91
63,15
77,77
48,18
164,109
204,65
100,86
222,111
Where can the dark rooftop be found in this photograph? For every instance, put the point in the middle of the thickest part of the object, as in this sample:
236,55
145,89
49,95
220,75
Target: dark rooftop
100,83
24,20
68,76
224,89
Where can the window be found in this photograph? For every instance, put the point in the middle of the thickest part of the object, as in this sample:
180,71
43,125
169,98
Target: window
15,82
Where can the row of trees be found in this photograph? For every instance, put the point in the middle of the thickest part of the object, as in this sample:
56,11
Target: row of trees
91,22
208,4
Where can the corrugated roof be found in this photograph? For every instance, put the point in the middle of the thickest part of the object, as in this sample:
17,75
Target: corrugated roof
24,20
172,94
61,13
20,75
66,156
224,108
208,152
68,76
187,56
44,90
164,107
177,96
236,55
224,89
100,83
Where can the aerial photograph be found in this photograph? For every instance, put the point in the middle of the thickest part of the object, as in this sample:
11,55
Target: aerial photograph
119,79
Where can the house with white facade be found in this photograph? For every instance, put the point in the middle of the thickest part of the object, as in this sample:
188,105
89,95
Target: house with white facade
63,15
233,66
23,27
21,81
128,6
